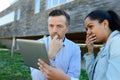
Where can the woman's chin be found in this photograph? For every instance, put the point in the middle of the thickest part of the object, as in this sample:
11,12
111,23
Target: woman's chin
97,41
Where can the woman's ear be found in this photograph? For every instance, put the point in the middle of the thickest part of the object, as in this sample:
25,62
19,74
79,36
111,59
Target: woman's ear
105,23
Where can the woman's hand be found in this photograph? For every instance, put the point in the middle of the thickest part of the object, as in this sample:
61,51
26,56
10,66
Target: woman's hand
90,39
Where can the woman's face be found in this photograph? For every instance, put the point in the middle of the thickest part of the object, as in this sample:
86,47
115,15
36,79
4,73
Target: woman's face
93,27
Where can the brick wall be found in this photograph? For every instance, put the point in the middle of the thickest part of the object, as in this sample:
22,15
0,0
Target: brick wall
31,24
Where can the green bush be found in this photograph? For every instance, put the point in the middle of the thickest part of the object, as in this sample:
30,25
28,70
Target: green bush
2,46
83,75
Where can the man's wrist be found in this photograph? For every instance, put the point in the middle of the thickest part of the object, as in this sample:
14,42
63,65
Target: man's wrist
51,56
90,52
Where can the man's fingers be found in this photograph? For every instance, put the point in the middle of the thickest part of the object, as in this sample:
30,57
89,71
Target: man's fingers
61,40
55,37
43,66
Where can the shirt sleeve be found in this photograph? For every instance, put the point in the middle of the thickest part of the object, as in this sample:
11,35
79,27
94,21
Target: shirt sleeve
89,61
113,71
75,64
72,78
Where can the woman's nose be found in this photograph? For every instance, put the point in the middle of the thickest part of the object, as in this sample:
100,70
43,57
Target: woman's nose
89,32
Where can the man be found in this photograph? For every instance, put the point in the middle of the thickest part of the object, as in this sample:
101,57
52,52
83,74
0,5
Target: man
65,56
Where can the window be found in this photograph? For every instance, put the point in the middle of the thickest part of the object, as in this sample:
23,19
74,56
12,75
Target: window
7,18
62,1
13,1
53,3
18,14
37,6
6,3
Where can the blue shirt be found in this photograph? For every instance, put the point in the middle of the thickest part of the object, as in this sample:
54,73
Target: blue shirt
68,58
106,66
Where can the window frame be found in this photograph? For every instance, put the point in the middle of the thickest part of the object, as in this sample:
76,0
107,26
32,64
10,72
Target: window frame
18,14
8,18
37,6
50,3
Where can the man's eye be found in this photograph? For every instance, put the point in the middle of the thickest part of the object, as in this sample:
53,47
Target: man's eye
50,25
60,26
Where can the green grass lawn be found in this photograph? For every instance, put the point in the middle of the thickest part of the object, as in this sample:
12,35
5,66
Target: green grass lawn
15,69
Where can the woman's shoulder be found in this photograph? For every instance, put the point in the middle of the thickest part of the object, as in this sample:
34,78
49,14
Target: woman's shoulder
115,46
115,39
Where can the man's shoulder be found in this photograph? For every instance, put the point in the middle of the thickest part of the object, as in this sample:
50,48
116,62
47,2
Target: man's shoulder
44,39
72,45
70,42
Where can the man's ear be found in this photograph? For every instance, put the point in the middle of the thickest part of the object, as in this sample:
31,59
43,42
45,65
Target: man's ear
105,23
68,28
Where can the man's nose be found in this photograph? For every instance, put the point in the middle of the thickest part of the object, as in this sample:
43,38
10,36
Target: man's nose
55,29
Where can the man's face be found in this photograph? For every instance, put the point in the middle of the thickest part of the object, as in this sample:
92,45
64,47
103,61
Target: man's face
57,26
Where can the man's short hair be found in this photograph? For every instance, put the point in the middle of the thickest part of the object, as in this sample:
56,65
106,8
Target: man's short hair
58,12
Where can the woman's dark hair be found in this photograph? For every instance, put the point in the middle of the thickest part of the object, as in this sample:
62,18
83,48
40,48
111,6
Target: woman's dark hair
58,12
111,16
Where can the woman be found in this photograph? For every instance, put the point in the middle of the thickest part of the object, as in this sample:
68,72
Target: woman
103,26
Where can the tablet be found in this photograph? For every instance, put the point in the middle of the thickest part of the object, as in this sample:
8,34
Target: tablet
31,51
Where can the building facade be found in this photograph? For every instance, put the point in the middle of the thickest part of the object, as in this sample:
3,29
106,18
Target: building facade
29,17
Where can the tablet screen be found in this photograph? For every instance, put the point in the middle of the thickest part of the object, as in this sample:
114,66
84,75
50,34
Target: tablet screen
31,51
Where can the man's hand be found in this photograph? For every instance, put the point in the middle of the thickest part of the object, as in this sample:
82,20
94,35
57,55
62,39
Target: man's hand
52,73
55,46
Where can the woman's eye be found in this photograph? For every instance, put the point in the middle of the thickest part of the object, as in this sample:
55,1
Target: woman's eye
90,26
86,29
